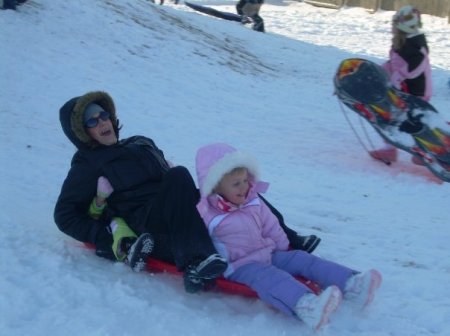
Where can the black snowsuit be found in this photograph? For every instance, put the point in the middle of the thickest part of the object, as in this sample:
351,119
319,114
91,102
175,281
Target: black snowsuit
148,195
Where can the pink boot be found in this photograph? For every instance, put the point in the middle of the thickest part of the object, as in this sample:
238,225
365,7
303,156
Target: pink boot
360,288
315,310
388,154
417,161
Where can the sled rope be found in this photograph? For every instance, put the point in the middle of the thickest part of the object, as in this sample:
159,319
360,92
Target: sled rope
369,140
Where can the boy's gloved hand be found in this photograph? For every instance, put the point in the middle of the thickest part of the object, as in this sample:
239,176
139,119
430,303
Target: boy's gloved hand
103,244
413,124
104,188
305,243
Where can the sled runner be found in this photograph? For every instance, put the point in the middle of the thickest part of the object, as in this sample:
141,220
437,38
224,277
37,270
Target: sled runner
221,284
405,121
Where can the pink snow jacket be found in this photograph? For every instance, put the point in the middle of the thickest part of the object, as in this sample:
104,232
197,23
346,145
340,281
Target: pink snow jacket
409,67
245,234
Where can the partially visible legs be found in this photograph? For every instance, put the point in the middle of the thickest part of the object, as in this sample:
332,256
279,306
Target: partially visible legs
279,289
274,286
389,153
322,271
258,23
126,245
175,216
239,6
356,287
251,10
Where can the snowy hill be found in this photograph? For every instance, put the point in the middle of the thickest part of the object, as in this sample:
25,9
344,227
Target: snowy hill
185,80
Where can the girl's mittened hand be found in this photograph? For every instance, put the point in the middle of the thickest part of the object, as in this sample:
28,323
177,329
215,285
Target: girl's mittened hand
104,188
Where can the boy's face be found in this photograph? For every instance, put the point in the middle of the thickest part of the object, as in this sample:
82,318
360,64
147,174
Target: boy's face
103,132
234,186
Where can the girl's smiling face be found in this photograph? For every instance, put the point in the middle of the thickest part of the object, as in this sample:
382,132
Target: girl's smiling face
234,186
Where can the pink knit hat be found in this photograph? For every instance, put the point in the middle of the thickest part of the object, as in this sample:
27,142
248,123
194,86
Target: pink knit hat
215,160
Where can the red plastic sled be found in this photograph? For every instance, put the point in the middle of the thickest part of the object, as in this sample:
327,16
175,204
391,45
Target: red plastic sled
222,284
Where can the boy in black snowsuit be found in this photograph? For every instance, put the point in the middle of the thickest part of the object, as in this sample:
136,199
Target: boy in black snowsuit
249,10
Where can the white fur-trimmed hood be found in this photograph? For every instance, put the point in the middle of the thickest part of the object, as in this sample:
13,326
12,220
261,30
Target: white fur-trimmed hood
215,160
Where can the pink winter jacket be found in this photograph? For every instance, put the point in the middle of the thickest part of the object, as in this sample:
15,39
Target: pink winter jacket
250,233
242,234
398,71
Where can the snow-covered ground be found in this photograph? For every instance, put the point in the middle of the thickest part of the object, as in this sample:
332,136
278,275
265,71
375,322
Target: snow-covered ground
185,80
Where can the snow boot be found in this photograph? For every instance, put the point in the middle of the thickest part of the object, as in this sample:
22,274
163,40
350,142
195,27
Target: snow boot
315,310
417,161
197,275
360,288
388,154
258,23
139,250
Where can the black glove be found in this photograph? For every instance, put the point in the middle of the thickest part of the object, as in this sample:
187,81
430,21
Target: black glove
412,125
305,243
103,244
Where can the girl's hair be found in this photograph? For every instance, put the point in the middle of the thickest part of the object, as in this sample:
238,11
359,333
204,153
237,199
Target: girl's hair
236,170
405,21
399,39
232,171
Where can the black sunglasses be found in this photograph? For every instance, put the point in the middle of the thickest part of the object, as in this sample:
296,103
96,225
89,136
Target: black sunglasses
92,122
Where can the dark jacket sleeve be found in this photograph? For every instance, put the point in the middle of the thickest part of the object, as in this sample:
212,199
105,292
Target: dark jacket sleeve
153,155
71,210
291,234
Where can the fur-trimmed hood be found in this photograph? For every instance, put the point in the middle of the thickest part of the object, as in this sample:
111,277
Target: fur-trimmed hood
71,117
215,160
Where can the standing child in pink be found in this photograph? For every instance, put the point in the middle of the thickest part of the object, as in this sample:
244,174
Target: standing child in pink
408,66
249,236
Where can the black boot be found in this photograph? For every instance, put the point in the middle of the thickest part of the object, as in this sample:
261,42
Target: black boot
258,24
197,275
139,249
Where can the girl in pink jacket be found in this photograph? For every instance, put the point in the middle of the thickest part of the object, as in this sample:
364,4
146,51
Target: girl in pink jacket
248,235
408,66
